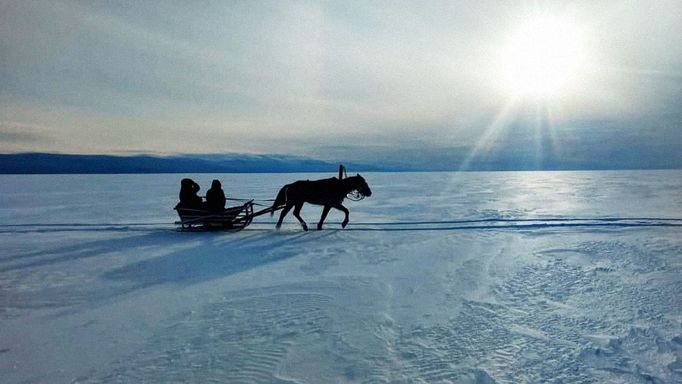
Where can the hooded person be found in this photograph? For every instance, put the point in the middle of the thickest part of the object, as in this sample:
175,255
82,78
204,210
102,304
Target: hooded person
188,194
215,197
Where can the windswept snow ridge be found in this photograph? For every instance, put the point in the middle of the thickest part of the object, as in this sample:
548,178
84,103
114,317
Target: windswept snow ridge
515,277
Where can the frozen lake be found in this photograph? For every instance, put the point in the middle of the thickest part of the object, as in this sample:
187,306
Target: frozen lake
497,277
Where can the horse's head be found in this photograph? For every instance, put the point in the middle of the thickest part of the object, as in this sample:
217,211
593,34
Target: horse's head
360,185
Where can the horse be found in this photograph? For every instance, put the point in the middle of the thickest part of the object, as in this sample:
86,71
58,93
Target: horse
326,192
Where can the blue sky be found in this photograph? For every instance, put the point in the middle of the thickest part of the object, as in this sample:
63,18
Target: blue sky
338,80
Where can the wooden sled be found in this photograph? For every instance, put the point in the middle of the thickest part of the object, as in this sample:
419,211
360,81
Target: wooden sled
231,219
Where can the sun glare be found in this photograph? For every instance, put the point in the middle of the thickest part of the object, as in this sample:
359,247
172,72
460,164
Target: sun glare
542,58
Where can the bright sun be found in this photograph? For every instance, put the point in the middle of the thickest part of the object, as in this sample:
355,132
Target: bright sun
542,58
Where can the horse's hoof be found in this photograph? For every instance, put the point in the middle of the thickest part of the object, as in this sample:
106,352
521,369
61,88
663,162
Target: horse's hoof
343,225
305,229
278,226
319,227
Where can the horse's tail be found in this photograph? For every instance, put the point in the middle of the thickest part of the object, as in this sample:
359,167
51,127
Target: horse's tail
280,200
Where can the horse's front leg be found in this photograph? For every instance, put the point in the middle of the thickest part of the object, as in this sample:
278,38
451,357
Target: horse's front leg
343,209
325,212
281,215
297,212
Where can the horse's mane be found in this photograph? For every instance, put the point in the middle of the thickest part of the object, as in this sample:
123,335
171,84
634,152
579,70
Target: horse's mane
353,180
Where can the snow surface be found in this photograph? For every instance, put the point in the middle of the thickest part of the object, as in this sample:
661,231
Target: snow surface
509,277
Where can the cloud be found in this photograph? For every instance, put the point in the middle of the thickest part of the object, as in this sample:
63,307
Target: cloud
162,76
18,133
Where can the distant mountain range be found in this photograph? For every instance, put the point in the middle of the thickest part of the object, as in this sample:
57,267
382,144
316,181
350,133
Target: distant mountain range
378,159
49,163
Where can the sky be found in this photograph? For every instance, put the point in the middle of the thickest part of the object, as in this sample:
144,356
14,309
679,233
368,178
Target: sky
448,82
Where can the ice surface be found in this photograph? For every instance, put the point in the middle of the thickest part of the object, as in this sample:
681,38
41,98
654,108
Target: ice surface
501,277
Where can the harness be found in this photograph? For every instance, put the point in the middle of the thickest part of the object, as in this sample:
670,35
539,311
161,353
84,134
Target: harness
353,195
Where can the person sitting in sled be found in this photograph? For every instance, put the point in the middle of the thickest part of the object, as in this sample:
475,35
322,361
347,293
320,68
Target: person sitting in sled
188,194
215,197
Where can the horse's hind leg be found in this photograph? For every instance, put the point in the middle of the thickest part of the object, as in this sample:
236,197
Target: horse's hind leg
297,212
286,210
325,211
345,211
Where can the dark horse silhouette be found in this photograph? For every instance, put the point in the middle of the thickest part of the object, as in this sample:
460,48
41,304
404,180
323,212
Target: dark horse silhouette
327,192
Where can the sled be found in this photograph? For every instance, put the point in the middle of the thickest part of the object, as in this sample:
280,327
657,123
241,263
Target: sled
231,219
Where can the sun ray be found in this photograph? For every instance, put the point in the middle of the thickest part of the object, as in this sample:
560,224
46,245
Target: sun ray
501,120
539,149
